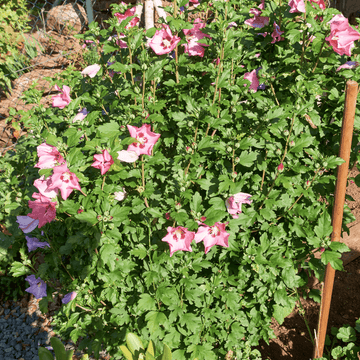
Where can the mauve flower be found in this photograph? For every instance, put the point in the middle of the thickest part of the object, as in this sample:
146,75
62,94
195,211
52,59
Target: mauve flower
276,34
49,157
348,65
212,235
146,139
233,203
257,21
127,156
193,36
163,42
128,13
320,3
281,167
342,35
179,238
297,6
42,185
252,77
26,223
34,243
69,297
37,288
232,24
262,5
63,99
103,161
91,70
43,209
64,180
81,115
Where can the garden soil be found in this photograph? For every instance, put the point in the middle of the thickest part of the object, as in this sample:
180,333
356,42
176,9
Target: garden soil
292,338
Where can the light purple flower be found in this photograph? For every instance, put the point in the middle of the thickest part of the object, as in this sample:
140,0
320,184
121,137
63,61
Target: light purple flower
34,243
69,297
27,224
37,287
348,65
81,115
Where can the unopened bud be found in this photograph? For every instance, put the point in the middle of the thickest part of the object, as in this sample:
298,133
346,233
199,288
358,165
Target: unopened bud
99,217
234,174
286,132
292,143
177,206
278,152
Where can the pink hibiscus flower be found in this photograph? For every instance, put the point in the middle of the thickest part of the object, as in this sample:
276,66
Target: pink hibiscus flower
233,203
193,36
212,235
342,35
163,42
252,77
64,180
146,139
320,3
63,99
49,157
42,185
257,21
43,209
103,161
179,238
297,6
91,70
128,13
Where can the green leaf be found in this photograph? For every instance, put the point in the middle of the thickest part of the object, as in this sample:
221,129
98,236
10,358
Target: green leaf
45,354
150,349
166,355
338,246
332,257
323,228
247,159
126,352
134,343
59,349
18,269
87,216
304,142
112,128
155,319
195,203
146,303
214,215
346,334
281,312
224,78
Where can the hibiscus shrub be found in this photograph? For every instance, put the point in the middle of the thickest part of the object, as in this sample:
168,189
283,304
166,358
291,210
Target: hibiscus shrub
180,185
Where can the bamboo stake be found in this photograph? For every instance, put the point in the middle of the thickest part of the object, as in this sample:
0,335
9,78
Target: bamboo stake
337,215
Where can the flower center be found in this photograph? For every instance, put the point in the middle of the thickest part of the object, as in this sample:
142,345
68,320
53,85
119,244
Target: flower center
166,43
178,234
214,231
38,284
142,140
65,177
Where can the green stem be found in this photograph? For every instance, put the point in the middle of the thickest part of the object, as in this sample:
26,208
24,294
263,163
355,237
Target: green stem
102,186
143,178
143,91
306,323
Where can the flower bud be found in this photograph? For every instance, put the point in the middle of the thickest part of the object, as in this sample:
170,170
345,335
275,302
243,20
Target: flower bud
317,166
292,143
237,145
234,174
237,160
325,164
178,206
278,152
99,217
122,128
144,67
229,149
281,167
286,132
190,123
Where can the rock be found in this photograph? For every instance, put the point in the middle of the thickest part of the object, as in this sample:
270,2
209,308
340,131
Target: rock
66,19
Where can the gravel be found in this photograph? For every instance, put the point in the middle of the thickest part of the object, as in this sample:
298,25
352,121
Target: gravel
23,331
